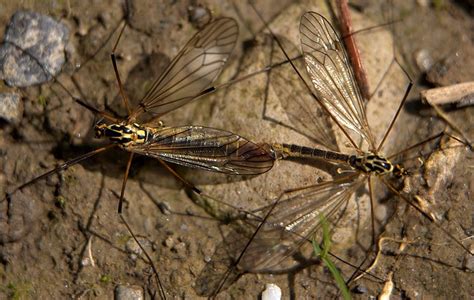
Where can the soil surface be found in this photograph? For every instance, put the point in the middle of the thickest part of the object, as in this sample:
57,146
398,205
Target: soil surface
61,237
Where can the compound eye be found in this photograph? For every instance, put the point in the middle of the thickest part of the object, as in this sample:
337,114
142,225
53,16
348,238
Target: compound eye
99,130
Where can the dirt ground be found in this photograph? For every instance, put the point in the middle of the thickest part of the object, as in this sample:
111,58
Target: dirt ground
63,237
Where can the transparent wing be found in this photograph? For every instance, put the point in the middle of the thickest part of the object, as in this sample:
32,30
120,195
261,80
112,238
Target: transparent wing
306,118
193,70
295,220
332,76
207,148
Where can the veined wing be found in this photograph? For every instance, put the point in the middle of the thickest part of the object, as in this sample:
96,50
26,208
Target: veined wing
306,118
295,220
207,148
331,74
193,70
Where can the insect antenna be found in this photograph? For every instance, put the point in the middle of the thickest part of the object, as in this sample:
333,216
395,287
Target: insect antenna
104,114
61,167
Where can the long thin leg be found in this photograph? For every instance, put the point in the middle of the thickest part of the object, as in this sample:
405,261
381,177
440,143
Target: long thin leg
120,210
355,275
124,182
426,215
234,266
395,117
431,138
407,91
150,261
451,123
270,208
187,183
372,217
117,75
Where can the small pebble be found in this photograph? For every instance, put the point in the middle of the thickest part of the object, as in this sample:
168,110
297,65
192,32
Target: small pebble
11,108
424,60
134,249
85,262
123,292
359,289
423,3
180,248
164,208
169,242
271,292
32,50
199,16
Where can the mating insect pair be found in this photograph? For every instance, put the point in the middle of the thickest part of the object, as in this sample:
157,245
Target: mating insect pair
222,151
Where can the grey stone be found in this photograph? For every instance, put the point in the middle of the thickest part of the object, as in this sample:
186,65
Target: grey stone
33,49
123,292
11,107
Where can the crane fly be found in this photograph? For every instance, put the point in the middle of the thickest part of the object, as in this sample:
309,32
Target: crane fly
294,218
189,76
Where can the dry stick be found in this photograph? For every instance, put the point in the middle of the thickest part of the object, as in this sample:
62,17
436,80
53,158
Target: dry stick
451,123
449,94
345,26
462,92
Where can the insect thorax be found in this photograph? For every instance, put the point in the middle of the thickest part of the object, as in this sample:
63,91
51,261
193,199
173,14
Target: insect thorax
372,163
123,134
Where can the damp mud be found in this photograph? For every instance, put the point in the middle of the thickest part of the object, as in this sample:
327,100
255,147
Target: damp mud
61,237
